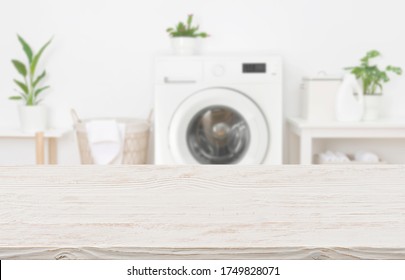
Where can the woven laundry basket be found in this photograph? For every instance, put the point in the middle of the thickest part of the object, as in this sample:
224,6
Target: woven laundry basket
135,147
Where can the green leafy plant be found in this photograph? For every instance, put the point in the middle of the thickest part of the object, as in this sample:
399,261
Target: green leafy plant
29,88
372,76
186,29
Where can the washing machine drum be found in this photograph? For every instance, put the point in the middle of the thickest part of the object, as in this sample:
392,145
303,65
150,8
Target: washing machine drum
218,126
218,135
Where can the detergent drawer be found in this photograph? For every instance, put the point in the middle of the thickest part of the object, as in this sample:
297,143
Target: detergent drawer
178,71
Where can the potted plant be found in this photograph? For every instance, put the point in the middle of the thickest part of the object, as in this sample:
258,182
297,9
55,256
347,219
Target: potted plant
372,79
184,37
33,115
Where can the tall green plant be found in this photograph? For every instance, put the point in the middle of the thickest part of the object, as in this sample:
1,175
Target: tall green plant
29,88
372,76
186,29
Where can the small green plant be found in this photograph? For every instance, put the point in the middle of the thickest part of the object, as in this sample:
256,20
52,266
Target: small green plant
186,29
29,88
372,76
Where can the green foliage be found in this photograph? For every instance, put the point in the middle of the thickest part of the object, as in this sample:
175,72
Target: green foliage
186,29
27,49
29,89
372,76
20,67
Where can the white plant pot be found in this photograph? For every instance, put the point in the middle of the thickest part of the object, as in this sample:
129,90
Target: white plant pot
184,45
372,107
33,118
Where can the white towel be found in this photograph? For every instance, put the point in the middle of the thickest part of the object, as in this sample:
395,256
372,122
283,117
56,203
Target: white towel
366,157
342,157
331,157
106,139
327,157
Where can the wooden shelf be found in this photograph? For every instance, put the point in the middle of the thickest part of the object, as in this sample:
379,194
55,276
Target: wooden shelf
51,135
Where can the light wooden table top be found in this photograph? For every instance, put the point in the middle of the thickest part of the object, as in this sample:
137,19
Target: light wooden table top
209,212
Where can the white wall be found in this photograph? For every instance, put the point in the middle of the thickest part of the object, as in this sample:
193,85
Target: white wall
101,61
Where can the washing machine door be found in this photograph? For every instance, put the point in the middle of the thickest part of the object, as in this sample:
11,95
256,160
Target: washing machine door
218,126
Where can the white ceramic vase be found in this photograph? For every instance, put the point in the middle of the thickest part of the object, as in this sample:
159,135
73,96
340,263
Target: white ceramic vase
372,107
33,118
184,45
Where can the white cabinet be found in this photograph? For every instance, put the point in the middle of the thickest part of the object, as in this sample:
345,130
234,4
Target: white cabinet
307,138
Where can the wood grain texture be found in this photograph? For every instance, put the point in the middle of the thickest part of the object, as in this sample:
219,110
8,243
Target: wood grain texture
40,148
202,212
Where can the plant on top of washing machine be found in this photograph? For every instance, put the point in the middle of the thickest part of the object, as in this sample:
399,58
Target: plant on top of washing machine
186,29
184,37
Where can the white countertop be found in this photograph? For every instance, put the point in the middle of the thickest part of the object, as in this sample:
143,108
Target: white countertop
379,124
7,132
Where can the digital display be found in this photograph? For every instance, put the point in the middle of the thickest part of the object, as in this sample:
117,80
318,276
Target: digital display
254,68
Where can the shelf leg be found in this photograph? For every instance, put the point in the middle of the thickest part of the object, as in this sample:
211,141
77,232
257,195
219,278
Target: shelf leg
52,151
39,148
305,150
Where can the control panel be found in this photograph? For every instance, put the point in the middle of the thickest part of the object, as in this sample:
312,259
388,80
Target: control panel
219,70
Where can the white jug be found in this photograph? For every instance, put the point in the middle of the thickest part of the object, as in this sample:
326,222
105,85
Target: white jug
349,107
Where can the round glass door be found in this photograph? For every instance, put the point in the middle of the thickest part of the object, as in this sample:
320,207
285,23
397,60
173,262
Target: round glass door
218,126
218,135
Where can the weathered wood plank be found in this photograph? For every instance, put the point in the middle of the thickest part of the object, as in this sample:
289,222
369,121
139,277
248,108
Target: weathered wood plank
262,212
119,253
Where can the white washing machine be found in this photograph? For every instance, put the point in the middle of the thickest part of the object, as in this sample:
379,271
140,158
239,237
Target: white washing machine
218,110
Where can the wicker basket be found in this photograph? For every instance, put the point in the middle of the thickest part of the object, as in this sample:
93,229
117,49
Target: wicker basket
135,149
